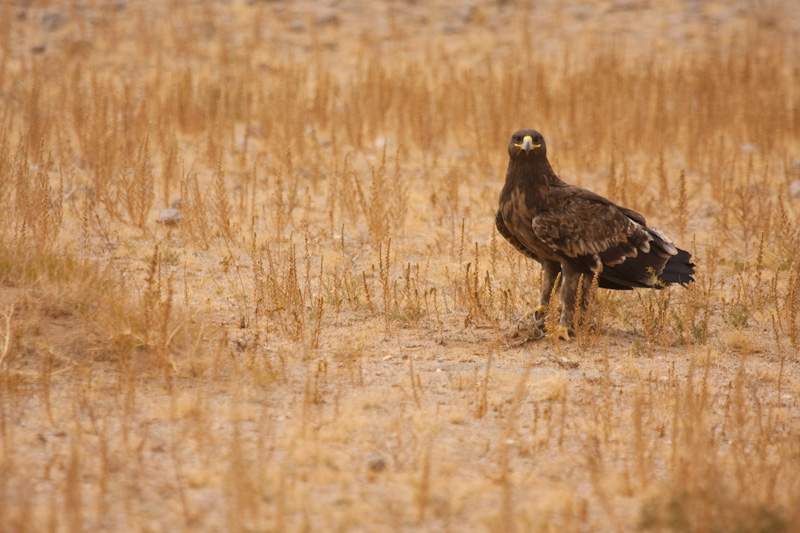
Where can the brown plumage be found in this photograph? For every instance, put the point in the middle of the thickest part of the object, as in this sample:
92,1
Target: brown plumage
575,232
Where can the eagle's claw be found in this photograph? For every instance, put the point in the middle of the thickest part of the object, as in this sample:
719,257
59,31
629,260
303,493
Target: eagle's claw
558,332
537,314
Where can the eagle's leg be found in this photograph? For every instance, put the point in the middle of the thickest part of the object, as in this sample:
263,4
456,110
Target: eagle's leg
577,284
550,272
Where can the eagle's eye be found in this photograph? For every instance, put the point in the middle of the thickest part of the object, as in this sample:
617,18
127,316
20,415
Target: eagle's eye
517,139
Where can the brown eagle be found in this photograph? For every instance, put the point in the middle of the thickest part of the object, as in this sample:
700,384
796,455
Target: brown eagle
579,234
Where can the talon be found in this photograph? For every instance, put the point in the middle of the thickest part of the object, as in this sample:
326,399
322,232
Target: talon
558,332
540,312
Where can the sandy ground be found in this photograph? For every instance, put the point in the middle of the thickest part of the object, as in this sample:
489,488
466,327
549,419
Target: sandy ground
370,419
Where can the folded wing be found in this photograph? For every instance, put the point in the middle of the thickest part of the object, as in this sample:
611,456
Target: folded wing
612,242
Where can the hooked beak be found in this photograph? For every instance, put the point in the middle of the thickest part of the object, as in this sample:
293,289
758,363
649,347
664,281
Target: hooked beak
527,144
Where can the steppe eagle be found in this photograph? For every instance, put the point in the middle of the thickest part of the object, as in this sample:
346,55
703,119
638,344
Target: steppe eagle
579,234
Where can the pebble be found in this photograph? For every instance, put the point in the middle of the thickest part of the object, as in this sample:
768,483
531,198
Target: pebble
169,217
52,21
794,189
326,17
81,191
376,464
748,148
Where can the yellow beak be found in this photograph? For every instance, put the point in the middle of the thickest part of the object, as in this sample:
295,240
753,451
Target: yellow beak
527,144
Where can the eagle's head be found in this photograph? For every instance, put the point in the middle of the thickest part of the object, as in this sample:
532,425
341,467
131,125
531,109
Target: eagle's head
526,144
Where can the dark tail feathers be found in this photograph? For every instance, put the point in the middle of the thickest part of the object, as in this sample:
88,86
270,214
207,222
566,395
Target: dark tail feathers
679,269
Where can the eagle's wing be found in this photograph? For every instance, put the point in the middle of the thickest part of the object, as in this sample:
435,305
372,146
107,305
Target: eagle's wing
591,231
510,237
633,215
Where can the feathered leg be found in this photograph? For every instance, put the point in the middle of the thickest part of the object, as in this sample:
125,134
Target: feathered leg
550,272
576,282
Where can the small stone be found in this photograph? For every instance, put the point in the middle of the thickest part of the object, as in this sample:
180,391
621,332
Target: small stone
169,217
465,13
326,17
81,191
583,12
794,189
748,148
624,5
709,210
376,464
451,28
52,21
384,142
463,155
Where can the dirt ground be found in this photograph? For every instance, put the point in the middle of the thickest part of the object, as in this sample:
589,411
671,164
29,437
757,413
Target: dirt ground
329,338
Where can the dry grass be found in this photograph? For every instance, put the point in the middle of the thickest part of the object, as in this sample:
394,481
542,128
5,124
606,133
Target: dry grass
327,339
